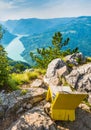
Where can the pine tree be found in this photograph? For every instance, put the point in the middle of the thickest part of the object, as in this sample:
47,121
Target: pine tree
45,55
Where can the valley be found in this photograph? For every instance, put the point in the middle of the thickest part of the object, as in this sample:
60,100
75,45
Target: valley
39,34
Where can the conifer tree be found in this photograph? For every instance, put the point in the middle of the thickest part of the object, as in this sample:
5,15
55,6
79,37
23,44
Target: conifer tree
45,55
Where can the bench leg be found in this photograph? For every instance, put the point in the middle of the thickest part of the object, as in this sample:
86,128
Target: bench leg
66,115
48,96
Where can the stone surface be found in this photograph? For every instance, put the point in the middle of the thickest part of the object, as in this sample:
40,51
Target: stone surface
55,69
34,119
80,79
75,58
12,102
37,119
84,106
38,83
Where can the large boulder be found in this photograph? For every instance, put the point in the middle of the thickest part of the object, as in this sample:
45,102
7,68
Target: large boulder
19,100
56,68
80,79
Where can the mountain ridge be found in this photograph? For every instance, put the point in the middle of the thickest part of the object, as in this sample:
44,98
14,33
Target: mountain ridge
40,32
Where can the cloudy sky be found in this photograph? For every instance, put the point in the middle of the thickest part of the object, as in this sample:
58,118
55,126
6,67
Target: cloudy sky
16,9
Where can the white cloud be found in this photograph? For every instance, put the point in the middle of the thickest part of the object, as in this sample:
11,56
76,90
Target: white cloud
15,9
4,5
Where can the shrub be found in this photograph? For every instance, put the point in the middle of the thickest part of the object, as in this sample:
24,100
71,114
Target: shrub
20,78
41,71
12,84
88,59
32,75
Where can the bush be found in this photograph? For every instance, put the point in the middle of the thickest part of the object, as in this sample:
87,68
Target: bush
12,84
20,78
32,75
40,71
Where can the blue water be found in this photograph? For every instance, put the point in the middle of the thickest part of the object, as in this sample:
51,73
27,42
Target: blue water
15,48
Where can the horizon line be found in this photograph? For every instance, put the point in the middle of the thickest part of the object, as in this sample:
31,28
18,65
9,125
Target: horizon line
47,18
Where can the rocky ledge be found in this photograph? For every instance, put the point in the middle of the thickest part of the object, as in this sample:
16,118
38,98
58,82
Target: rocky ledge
30,111
15,103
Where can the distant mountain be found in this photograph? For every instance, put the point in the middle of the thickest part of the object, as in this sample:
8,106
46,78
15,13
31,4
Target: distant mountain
10,24
7,37
77,29
40,32
33,25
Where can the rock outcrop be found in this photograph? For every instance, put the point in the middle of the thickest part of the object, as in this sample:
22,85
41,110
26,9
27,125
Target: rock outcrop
21,110
34,119
17,101
75,59
55,69
37,119
80,79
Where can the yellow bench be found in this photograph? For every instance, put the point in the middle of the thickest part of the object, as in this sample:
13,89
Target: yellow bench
63,102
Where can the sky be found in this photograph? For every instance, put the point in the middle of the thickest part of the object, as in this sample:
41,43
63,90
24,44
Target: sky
17,9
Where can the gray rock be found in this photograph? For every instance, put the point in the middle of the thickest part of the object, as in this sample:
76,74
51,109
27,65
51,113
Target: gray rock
28,106
2,112
19,110
12,102
37,119
37,83
80,79
34,119
56,68
53,66
75,58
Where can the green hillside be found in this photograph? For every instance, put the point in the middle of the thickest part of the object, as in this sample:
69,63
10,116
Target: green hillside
77,29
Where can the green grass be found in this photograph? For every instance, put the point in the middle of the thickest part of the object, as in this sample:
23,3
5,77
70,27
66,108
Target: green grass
40,71
12,84
24,77
88,59
17,79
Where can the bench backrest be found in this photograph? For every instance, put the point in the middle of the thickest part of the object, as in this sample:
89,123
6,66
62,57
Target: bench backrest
67,101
